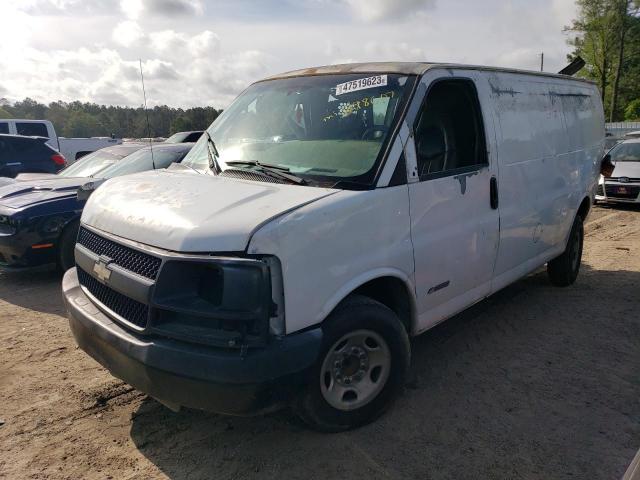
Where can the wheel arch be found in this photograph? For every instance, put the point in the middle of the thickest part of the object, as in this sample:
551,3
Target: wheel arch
584,208
390,287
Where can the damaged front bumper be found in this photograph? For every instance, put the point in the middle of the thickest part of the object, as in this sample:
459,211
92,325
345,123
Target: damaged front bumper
180,373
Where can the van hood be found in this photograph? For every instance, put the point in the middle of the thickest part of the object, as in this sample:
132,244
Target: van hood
187,212
626,169
19,195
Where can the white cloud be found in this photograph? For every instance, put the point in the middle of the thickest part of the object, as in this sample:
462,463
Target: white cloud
373,10
131,8
127,33
398,51
175,7
194,55
205,43
168,41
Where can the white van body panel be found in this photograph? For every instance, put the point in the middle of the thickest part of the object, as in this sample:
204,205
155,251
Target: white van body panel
454,229
372,230
549,145
188,212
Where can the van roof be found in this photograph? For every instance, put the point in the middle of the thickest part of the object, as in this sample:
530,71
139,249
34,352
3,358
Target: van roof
407,68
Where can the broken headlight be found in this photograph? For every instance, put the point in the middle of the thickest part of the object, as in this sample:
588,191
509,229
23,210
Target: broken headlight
219,301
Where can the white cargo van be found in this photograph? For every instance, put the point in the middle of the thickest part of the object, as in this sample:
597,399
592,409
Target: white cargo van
327,216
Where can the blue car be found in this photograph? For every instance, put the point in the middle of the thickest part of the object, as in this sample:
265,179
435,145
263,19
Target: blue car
39,217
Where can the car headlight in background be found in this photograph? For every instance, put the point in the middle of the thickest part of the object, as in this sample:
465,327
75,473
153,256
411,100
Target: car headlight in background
220,301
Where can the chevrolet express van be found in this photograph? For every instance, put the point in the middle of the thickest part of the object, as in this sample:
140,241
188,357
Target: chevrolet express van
327,216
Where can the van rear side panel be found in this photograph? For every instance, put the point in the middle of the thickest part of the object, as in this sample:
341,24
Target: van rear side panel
550,137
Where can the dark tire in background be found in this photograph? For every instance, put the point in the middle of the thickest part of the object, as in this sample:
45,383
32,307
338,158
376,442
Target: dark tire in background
66,245
564,269
361,367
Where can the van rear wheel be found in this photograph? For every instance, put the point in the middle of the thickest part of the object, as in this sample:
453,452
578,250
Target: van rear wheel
564,269
361,367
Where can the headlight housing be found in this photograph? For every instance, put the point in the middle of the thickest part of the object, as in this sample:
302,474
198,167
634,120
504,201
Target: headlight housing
220,301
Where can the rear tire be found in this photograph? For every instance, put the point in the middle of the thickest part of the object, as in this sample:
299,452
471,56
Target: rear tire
360,370
66,246
564,269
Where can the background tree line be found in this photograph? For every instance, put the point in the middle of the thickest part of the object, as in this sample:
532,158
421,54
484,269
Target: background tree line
77,119
606,34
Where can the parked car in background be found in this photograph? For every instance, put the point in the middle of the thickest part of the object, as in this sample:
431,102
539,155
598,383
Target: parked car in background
30,128
622,183
74,149
39,218
20,154
184,137
341,210
70,148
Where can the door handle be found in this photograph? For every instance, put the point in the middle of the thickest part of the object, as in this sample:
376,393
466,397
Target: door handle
493,192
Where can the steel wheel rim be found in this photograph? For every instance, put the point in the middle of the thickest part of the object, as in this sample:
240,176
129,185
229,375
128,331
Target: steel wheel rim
355,370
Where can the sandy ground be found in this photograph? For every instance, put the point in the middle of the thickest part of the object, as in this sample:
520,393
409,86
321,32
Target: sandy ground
535,382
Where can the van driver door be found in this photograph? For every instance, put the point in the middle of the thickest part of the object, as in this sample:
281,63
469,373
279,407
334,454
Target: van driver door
452,194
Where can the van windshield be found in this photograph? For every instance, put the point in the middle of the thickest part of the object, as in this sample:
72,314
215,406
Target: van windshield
325,128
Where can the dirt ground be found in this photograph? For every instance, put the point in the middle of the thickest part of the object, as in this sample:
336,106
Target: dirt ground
536,382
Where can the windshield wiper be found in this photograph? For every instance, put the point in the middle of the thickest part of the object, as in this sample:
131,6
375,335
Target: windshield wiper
211,147
271,170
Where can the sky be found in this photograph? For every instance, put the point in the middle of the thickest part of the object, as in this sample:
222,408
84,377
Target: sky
205,52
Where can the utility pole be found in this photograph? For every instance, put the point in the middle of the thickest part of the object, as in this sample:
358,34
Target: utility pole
542,62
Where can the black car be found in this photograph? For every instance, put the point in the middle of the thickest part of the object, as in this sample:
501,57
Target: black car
184,137
20,154
39,218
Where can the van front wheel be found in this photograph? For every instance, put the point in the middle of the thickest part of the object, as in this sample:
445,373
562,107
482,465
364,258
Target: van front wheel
564,269
360,370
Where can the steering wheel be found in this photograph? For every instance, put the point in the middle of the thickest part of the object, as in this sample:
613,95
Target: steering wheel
374,133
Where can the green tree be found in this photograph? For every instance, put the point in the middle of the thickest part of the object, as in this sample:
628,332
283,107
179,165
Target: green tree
78,119
632,112
181,124
606,34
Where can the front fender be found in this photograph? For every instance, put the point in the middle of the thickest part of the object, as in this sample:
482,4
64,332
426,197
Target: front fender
332,246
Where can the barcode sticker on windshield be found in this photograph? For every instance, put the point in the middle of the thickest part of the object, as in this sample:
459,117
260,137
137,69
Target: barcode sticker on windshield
361,84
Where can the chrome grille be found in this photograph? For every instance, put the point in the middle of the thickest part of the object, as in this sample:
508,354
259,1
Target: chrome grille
627,179
125,257
132,311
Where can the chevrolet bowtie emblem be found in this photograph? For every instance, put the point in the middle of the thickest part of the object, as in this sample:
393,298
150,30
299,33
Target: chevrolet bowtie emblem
101,268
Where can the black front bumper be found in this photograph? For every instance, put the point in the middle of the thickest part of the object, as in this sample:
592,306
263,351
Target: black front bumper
16,251
196,376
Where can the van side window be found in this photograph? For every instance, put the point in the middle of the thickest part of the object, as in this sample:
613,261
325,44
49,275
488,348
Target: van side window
449,134
4,127
29,129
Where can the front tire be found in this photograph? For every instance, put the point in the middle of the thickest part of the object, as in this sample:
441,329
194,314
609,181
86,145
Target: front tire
361,367
66,246
564,269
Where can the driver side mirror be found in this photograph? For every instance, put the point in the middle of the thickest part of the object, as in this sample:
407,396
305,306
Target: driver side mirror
606,166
